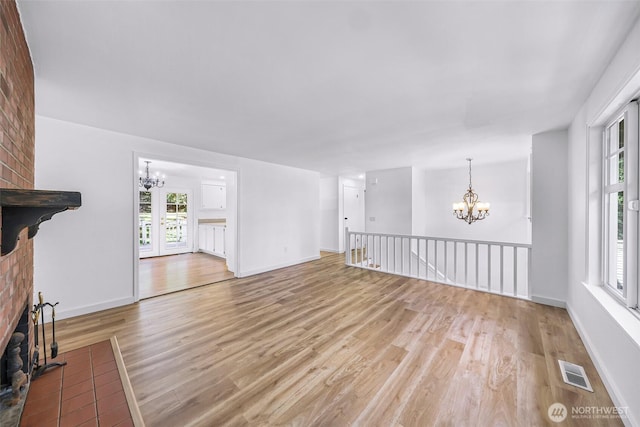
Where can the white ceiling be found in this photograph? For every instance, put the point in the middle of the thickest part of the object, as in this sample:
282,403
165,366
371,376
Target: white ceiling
337,87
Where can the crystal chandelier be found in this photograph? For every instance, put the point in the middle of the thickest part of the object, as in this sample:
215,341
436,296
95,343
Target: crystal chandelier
148,181
470,209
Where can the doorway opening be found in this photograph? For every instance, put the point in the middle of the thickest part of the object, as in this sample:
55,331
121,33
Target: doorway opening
186,228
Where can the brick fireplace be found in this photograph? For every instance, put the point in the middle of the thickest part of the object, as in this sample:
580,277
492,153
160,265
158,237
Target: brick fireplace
17,145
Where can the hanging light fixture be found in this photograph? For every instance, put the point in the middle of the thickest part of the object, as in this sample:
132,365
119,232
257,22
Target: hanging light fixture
148,181
470,209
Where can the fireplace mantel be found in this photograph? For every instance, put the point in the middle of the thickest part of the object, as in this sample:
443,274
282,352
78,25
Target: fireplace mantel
28,208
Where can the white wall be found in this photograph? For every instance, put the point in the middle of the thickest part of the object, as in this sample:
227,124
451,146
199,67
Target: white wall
420,202
550,218
329,214
85,258
388,203
279,216
610,332
504,185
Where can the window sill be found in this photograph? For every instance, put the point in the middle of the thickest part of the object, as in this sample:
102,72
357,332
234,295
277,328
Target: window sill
628,319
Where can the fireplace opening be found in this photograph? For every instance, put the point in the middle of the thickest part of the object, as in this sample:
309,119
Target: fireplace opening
22,327
15,366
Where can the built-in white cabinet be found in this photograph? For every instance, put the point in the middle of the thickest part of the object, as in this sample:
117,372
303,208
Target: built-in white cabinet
202,238
214,196
219,241
211,239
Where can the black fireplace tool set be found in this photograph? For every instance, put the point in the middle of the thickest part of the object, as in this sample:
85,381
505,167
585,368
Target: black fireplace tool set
36,314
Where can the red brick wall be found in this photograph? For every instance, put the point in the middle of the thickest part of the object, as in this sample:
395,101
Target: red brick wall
17,146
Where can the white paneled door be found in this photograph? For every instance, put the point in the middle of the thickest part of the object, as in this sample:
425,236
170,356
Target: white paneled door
354,208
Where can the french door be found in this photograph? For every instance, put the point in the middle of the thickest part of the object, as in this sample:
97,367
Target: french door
165,222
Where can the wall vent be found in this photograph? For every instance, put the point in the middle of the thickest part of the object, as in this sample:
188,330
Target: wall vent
574,375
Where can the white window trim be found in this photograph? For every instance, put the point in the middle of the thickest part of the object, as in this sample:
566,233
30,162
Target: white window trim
632,180
630,187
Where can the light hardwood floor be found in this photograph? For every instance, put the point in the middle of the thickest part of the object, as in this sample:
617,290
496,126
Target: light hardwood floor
321,344
166,274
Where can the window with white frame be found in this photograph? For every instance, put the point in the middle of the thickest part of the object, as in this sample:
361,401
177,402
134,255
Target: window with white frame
620,205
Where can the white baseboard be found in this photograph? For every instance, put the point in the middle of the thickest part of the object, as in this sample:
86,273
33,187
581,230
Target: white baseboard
277,266
334,251
549,301
79,311
614,393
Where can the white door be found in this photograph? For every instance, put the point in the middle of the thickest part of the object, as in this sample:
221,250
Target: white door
353,199
165,226
176,232
354,208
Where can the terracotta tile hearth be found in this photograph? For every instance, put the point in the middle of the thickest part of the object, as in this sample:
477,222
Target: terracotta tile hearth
88,391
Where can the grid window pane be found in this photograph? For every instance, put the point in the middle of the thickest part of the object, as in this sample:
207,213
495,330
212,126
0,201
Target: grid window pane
614,142
621,134
616,168
620,168
615,241
145,218
615,153
176,220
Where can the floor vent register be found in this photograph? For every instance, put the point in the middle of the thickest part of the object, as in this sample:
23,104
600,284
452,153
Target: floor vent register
574,375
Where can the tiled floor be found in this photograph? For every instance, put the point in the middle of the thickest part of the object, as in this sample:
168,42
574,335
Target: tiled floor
86,392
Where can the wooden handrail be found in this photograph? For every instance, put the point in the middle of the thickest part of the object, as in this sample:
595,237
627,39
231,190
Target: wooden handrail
448,239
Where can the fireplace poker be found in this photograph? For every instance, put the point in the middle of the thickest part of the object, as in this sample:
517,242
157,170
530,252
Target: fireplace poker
44,343
35,360
54,344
